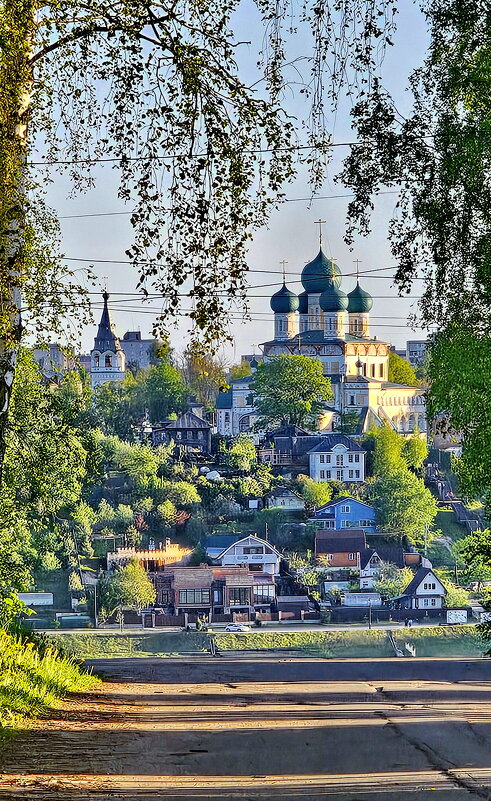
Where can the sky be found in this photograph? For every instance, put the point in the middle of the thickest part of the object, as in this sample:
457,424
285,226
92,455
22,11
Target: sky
95,228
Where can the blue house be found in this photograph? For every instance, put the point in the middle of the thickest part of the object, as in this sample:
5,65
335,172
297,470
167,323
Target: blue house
345,512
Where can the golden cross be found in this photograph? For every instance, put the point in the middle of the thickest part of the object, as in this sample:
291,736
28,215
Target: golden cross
357,262
320,223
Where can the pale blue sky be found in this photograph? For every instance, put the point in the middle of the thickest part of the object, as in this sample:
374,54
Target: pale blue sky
291,234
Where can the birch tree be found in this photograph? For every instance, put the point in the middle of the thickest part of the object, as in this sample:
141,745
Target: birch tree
153,89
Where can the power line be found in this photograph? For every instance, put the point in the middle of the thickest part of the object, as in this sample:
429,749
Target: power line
170,156
285,200
249,270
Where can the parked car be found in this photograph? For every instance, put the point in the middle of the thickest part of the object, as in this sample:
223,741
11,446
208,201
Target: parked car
237,627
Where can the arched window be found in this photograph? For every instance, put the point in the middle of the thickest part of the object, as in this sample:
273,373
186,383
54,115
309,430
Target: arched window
372,370
108,362
96,361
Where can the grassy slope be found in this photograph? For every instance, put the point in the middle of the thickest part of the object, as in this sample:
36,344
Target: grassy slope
32,682
434,641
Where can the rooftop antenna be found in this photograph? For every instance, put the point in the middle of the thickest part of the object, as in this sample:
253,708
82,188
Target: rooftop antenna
357,262
283,266
320,223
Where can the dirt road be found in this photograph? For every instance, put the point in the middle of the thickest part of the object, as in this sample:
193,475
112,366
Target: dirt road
256,727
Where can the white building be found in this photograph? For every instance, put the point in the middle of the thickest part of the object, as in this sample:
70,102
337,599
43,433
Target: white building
107,358
235,412
258,554
286,499
138,352
337,457
327,324
425,591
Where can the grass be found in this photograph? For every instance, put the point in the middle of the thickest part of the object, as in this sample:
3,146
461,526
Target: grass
428,641
33,677
95,646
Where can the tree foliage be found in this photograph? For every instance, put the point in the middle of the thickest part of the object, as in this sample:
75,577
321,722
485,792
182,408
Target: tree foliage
290,390
400,371
241,454
458,368
403,505
314,493
392,580
128,586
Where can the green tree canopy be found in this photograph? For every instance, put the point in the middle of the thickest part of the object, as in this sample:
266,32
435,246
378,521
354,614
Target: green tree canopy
164,391
128,586
290,390
241,454
403,505
400,371
314,493
392,580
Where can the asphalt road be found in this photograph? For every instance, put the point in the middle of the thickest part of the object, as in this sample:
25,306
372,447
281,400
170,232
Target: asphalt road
253,727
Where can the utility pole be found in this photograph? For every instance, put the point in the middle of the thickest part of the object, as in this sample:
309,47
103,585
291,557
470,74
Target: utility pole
95,605
426,539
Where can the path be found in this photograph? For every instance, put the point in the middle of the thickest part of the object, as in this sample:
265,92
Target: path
254,727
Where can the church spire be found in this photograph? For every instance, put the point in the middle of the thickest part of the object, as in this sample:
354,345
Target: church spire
106,338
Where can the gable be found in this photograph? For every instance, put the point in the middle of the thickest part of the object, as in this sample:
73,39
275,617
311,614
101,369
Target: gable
355,505
251,541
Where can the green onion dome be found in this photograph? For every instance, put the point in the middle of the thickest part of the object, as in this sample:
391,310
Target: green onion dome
303,302
319,273
333,299
360,301
284,301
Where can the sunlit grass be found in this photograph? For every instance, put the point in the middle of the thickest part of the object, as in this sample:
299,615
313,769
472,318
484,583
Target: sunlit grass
32,680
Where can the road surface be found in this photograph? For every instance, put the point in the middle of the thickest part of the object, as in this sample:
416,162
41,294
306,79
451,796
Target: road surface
263,727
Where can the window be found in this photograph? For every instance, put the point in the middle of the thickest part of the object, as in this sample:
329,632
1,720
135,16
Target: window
335,365
350,457
345,523
351,557
381,370
328,474
357,457
108,362
433,601
227,417
194,596
372,370
339,459
429,585
328,458
252,550
96,361
330,557
350,474
263,594
345,509
363,523
426,602
322,459
351,400
339,475
239,596
357,474
323,473
329,524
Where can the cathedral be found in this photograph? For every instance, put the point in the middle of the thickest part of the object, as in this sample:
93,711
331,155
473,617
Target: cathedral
326,323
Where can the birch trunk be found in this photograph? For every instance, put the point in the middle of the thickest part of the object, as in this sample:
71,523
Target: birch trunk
17,26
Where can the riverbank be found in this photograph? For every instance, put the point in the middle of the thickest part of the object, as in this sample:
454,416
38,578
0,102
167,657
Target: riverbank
428,641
